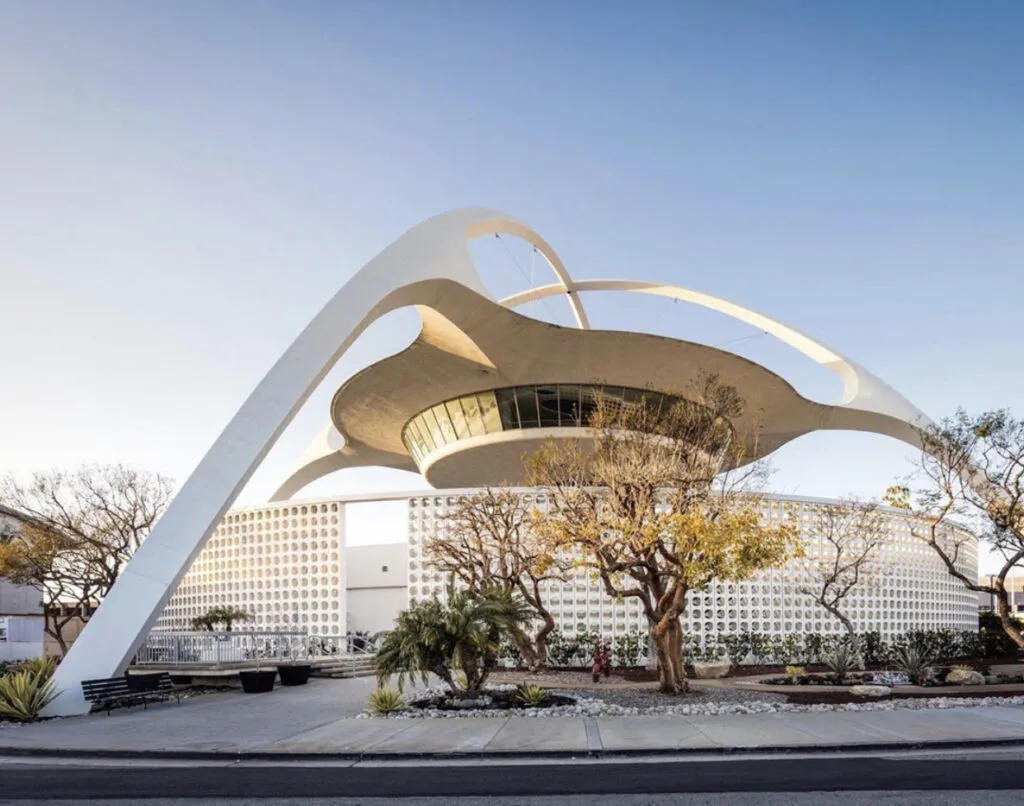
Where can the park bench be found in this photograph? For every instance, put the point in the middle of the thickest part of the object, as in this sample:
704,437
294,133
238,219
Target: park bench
122,691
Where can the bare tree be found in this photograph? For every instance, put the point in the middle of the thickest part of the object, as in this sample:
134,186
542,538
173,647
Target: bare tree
653,508
486,542
80,528
846,541
972,468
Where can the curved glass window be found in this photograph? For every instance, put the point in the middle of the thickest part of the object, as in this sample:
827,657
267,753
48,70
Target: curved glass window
556,405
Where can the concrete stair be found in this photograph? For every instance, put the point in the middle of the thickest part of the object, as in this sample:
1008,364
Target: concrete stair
340,666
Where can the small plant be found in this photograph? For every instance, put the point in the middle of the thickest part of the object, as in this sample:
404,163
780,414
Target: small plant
914,660
963,667
811,648
385,701
794,672
840,660
24,694
873,647
629,648
532,696
737,647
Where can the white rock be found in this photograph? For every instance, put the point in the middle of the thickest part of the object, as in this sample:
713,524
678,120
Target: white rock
710,670
965,677
870,691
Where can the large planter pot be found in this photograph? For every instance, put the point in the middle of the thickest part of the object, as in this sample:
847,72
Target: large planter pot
294,674
710,670
258,682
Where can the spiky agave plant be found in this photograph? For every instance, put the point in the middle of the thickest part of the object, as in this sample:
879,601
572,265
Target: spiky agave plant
24,694
386,701
532,696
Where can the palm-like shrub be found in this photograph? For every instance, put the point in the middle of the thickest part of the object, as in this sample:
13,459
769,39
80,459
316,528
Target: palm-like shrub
25,693
225,615
465,633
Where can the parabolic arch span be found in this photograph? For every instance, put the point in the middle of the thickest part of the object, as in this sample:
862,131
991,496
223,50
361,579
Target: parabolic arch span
429,266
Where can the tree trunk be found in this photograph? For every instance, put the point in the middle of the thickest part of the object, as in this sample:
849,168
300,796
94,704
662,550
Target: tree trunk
535,652
851,632
1006,618
667,635
56,632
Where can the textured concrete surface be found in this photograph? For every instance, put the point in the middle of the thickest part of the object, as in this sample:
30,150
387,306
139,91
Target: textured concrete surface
317,719
976,798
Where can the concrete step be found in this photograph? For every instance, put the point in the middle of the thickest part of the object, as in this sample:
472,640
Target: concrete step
358,666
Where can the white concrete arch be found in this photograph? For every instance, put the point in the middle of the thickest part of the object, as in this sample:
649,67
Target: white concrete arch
862,391
404,274
565,283
427,265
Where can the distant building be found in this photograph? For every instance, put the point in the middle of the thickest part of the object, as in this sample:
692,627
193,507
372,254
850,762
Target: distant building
1014,586
21,607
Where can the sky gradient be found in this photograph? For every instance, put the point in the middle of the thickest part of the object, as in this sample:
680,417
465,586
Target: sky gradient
183,185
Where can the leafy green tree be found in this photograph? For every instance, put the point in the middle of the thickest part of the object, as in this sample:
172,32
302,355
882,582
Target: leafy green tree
653,507
464,634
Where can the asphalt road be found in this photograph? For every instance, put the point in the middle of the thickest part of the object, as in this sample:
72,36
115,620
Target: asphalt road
252,782
975,798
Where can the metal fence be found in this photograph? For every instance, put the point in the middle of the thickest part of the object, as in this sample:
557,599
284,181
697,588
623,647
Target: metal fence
217,648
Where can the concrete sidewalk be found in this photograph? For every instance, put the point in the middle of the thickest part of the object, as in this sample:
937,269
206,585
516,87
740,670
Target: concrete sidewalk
317,721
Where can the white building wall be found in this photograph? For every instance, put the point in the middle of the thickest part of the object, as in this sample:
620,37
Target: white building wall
22,637
377,585
911,589
284,564
287,564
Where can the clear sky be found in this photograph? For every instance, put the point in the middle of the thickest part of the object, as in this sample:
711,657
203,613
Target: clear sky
183,185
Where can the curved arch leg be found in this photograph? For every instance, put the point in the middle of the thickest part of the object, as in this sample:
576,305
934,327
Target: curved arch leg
399,276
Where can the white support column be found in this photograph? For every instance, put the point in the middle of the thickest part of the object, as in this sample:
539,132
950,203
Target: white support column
434,250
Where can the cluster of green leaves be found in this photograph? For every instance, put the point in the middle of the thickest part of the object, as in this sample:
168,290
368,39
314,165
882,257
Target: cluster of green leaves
841,661
914,660
627,650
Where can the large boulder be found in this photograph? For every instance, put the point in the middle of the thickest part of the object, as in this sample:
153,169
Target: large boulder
965,677
710,670
867,690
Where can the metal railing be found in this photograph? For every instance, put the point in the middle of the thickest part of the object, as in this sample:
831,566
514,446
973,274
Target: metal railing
237,648
321,646
216,648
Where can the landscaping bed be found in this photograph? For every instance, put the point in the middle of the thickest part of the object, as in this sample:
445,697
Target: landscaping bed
494,698
625,702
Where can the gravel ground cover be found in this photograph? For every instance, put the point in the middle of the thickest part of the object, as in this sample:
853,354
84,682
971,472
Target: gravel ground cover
705,702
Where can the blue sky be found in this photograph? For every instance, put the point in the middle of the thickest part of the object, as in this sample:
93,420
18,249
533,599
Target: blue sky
183,185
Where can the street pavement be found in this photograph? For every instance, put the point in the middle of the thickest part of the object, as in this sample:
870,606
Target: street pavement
975,798
945,778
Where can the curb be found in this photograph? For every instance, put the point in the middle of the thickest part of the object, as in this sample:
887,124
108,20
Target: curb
592,753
